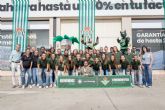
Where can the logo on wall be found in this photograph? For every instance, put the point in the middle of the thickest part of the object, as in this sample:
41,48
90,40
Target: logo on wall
105,81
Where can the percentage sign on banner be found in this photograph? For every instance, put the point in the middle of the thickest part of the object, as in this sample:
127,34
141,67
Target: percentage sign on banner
108,5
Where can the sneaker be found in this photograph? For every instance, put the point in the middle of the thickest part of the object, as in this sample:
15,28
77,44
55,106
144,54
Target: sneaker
30,86
23,87
14,86
20,86
55,85
40,87
141,86
149,86
132,85
51,85
46,87
33,85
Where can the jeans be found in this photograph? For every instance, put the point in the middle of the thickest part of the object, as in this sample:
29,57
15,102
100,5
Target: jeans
105,72
147,77
26,81
136,77
16,66
59,73
123,72
42,76
35,75
49,77
113,71
96,72
70,72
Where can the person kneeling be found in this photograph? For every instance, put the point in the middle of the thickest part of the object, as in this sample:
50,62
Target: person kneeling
86,70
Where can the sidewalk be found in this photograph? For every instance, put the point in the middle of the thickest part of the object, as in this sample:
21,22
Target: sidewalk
8,73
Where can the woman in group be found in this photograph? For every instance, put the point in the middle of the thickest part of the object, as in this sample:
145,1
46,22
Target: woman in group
112,64
70,65
60,66
26,64
34,69
89,59
117,54
124,64
78,63
43,69
105,65
147,60
52,71
96,67
136,71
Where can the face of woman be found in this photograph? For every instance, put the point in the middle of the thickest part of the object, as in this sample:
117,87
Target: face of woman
44,56
53,56
87,56
81,52
78,56
135,57
70,58
96,60
144,49
122,58
115,49
27,51
112,57
36,53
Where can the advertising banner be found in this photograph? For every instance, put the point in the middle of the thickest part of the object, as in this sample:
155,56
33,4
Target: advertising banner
5,49
94,81
155,40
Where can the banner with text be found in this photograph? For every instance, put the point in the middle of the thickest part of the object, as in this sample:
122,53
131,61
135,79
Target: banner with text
155,40
94,82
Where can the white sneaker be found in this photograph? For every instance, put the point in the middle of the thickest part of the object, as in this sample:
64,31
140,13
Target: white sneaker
30,86
40,87
55,85
33,85
23,86
51,85
46,87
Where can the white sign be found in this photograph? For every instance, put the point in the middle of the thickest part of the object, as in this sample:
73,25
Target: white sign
69,8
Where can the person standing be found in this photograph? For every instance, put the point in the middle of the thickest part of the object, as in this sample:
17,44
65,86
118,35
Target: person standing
112,64
147,60
78,64
26,64
34,70
129,57
105,64
15,59
117,54
70,65
43,68
136,71
52,71
124,64
96,67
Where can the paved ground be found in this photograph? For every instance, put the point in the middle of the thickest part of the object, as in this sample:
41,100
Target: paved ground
83,99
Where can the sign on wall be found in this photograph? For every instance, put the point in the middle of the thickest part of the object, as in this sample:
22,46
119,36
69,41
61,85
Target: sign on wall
5,49
62,8
155,40
95,81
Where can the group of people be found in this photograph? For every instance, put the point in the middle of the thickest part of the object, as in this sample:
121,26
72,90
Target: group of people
42,67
